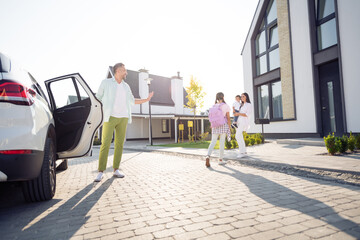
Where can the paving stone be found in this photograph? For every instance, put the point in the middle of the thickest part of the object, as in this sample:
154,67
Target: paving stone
242,232
218,229
169,232
271,234
292,229
319,232
218,236
151,229
191,235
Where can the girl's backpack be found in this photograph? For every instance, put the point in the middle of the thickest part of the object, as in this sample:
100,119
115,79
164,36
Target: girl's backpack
216,116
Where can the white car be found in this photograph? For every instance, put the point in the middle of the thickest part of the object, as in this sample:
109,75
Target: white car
35,132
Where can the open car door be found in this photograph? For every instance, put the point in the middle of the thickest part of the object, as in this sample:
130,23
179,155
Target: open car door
77,114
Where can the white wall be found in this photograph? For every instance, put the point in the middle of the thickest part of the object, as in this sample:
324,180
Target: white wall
303,78
177,95
139,128
349,19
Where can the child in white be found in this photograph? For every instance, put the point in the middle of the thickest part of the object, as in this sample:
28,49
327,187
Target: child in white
236,108
243,123
221,131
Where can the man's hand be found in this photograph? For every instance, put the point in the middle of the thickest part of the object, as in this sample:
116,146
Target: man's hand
150,96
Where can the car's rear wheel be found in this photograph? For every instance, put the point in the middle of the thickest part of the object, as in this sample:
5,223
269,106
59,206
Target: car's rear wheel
63,165
43,187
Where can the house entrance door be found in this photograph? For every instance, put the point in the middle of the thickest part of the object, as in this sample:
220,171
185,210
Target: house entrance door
331,105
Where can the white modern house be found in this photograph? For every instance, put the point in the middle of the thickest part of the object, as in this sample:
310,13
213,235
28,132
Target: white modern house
301,62
167,107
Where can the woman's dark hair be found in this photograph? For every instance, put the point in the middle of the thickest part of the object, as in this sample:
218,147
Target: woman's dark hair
247,97
219,96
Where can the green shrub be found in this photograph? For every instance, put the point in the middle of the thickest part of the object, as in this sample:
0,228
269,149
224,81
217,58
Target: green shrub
252,141
204,136
330,143
228,144
234,143
351,142
342,143
357,141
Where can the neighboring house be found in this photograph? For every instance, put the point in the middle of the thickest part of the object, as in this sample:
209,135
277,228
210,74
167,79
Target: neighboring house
167,107
302,67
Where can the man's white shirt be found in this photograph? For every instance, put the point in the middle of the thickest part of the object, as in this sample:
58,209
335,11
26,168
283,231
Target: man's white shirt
120,110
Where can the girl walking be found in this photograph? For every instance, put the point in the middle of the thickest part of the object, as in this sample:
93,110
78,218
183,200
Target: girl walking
219,117
243,123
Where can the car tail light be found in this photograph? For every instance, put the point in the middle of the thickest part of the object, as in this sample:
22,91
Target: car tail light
16,93
9,152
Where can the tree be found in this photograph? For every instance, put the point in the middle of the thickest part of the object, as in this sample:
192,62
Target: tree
195,96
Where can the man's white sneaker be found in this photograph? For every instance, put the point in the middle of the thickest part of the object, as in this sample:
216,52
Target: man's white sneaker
241,155
118,174
222,162
99,177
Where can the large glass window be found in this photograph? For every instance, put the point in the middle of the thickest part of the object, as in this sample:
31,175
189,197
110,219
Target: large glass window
270,101
274,59
326,34
271,12
263,101
260,43
261,65
276,100
267,42
326,24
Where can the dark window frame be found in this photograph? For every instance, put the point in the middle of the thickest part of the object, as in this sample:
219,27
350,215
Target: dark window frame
270,93
267,28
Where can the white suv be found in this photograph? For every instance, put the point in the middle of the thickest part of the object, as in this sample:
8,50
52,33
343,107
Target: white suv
34,133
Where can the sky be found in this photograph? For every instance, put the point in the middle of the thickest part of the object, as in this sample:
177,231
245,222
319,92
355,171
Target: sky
200,38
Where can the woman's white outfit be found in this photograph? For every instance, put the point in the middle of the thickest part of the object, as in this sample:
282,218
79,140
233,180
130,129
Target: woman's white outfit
221,131
243,124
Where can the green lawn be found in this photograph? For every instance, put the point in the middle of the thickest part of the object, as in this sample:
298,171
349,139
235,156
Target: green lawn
191,145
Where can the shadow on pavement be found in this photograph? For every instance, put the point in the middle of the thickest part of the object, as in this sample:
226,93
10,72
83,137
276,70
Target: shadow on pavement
327,175
283,197
61,223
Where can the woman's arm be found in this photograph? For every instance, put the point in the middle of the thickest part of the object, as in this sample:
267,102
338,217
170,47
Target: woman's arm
246,108
140,101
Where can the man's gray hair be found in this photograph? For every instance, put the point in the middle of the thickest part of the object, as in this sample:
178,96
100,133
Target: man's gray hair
116,66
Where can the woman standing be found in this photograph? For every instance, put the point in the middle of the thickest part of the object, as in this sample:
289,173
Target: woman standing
221,130
243,123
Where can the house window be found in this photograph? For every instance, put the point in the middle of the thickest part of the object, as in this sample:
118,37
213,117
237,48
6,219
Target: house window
325,24
267,42
270,101
263,101
165,125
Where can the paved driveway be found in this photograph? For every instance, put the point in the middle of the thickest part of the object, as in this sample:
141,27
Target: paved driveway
170,197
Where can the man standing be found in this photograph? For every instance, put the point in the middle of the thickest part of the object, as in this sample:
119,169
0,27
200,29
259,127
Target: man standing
117,99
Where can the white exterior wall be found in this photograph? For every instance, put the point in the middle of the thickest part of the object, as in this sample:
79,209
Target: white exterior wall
162,109
349,19
139,128
303,78
157,129
143,91
177,95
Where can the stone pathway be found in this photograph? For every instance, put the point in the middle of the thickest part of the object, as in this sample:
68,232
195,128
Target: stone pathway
174,197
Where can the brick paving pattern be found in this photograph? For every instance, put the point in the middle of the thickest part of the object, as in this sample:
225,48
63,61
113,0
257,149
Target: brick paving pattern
172,197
